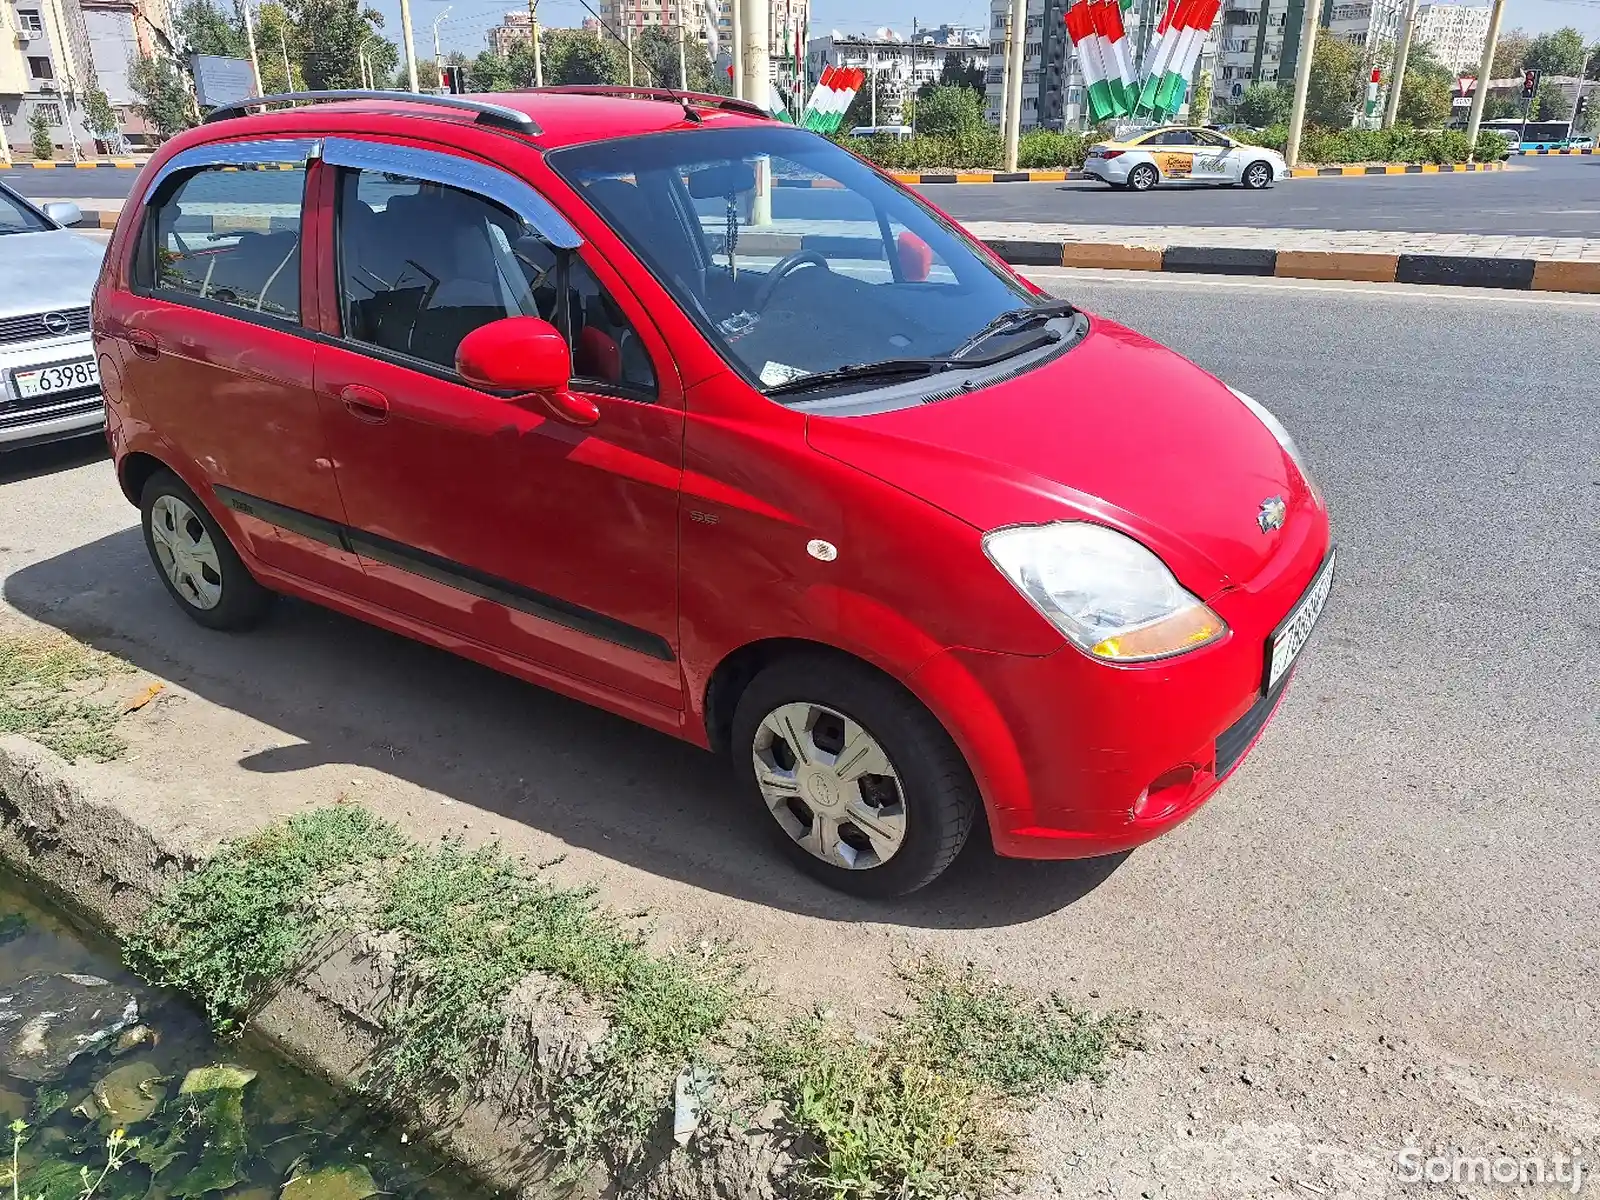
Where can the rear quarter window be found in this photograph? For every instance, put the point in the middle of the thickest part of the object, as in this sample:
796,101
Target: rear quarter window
227,237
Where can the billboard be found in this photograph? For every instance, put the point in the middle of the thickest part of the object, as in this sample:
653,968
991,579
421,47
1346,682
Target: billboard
220,80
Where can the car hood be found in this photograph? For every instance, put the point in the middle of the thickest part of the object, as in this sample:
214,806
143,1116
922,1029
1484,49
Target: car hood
1118,430
44,272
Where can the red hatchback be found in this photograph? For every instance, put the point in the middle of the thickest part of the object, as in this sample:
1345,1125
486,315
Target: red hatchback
695,416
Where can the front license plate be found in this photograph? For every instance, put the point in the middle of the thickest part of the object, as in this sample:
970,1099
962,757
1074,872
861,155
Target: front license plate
1286,642
59,377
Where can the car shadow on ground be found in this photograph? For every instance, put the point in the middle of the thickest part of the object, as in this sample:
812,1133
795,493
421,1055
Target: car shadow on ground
30,463
351,693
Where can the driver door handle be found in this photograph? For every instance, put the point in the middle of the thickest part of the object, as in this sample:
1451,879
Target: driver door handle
366,404
144,344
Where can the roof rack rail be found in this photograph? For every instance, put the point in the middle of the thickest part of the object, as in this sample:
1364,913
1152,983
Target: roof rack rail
672,95
496,115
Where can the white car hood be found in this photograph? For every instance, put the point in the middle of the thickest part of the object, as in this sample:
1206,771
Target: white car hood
47,272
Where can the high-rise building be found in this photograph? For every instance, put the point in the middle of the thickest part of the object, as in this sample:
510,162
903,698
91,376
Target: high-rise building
1454,32
787,23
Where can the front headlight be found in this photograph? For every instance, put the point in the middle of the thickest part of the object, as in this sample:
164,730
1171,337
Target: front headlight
1112,597
1276,429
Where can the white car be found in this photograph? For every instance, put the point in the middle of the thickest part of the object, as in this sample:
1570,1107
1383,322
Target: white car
49,383
1182,154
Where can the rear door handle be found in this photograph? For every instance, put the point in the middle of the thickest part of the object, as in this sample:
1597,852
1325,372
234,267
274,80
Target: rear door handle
144,344
366,404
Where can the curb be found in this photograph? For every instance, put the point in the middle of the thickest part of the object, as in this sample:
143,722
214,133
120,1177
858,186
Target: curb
118,164
1585,150
989,177
1450,270
1394,169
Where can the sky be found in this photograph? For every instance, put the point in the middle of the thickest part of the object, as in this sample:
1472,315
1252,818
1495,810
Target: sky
465,26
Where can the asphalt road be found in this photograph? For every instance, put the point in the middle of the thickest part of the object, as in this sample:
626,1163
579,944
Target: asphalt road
1410,853
1555,197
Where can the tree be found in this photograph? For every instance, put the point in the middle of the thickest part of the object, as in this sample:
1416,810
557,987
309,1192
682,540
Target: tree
332,32
206,29
1550,104
1499,108
1558,53
1509,53
657,48
1591,69
573,56
963,71
44,147
1335,65
1425,93
275,33
99,118
489,72
165,98
1264,104
951,110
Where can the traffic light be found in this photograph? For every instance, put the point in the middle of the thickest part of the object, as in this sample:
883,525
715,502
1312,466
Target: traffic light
453,79
1580,108
1530,84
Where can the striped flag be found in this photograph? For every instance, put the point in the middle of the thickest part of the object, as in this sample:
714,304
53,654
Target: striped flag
1112,43
1081,31
1159,53
1185,53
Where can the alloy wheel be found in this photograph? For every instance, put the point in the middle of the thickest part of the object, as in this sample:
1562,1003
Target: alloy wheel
830,786
1259,175
186,552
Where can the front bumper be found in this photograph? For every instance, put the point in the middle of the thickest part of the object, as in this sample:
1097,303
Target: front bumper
28,422
1077,758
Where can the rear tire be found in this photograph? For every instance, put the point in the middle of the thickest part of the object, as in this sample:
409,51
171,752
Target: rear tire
1257,175
1143,177
196,562
860,785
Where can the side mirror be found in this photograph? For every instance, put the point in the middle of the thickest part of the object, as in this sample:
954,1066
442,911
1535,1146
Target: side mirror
63,212
916,257
527,355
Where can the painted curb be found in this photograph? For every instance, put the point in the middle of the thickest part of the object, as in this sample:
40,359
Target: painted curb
1446,270
1393,169
115,164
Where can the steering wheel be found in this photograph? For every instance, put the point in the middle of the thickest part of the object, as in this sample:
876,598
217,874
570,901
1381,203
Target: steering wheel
783,267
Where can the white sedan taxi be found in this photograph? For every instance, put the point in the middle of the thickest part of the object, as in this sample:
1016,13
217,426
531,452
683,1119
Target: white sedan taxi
1181,154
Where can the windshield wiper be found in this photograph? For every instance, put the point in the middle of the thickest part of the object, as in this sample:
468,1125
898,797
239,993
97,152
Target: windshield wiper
888,368
1015,319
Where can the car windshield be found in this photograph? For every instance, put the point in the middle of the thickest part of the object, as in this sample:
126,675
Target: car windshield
16,217
793,255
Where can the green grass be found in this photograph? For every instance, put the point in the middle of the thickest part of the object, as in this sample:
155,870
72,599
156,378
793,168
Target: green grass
474,923
228,933
48,686
925,1110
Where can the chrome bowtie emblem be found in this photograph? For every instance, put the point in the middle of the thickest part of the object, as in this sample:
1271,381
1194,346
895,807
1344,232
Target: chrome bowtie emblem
1273,511
56,323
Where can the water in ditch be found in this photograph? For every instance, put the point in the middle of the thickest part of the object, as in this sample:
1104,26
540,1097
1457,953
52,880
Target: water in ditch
126,1095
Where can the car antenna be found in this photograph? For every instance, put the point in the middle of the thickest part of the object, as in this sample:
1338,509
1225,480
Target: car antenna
688,109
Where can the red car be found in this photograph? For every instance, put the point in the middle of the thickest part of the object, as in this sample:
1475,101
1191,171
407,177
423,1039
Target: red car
693,415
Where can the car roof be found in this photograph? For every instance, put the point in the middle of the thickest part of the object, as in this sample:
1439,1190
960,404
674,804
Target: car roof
563,118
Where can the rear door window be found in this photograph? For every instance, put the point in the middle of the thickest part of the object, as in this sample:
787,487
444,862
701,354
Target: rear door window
228,237
422,265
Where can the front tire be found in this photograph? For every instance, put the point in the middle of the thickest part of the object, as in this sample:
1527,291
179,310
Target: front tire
862,787
196,562
1257,175
1143,177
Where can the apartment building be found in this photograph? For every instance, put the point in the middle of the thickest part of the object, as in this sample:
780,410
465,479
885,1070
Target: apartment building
1455,33
787,25
53,53
1260,41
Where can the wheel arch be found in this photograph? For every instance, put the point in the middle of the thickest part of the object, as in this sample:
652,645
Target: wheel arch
135,470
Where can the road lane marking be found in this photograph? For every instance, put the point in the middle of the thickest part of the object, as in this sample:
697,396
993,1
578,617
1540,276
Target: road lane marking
1343,287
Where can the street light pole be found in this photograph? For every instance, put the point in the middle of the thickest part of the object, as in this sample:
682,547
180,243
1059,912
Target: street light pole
1397,74
250,40
533,35
1302,81
1485,65
411,49
438,58
1019,29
